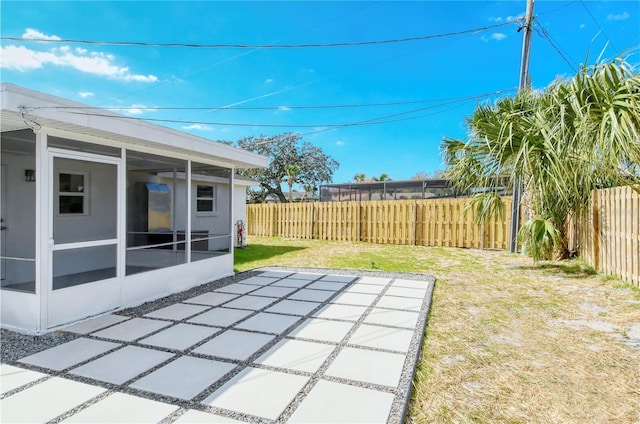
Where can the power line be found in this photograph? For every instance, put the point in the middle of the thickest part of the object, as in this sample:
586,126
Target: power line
280,107
598,24
259,46
557,9
377,120
545,34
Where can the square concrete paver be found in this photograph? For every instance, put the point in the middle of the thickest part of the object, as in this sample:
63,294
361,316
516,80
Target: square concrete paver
237,288
180,336
365,288
338,278
414,284
212,298
311,276
259,280
327,285
406,292
93,324
259,392
401,303
362,299
342,312
319,329
376,281
234,344
268,323
13,377
405,319
45,401
177,312
220,317
198,417
69,354
291,282
296,355
122,365
293,307
133,329
395,339
312,295
250,302
368,366
123,408
274,291
330,402
184,378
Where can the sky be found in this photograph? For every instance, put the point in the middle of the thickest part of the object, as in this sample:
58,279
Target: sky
403,76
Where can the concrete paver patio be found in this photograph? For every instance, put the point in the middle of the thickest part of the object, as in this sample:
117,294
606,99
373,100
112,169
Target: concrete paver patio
274,346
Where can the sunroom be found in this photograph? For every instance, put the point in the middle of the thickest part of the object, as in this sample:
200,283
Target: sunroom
101,212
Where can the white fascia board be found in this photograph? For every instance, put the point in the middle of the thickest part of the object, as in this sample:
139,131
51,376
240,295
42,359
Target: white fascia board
45,106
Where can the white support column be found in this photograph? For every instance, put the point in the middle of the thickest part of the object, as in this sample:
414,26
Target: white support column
121,271
232,215
43,230
187,235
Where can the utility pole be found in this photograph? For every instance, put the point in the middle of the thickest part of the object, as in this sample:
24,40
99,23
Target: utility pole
524,84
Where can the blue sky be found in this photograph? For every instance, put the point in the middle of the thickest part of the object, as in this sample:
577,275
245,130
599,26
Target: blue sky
403,97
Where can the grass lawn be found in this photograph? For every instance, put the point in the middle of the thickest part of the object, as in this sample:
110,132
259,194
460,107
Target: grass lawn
506,341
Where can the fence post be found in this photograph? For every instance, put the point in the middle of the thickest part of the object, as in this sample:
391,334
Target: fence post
595,220
414,236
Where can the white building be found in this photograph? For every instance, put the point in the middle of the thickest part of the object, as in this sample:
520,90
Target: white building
101,212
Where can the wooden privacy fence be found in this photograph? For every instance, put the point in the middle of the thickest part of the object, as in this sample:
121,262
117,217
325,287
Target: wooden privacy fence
425,222
607,234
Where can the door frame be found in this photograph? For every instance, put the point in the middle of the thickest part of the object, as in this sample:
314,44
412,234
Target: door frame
73,303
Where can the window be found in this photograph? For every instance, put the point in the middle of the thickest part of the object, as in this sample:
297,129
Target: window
72,193
205,199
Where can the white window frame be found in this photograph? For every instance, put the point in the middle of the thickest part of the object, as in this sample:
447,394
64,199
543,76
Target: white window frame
84,194
213,199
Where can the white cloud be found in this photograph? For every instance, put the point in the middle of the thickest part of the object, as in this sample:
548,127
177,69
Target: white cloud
34,34
284,108
339,143
583,26
268,81
619,17
198,127
500,19
23,59
85,94
496,36
134,109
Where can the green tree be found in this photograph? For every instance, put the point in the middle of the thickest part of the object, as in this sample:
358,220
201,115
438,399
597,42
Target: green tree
359,178
382,177
313,165
563,142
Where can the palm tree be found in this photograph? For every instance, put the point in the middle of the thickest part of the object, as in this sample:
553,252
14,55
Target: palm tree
293,172
382,177
563,142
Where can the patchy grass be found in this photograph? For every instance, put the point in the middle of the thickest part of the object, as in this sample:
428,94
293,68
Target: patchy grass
506,341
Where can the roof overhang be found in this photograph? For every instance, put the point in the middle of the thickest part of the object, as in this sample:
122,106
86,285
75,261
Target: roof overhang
48,111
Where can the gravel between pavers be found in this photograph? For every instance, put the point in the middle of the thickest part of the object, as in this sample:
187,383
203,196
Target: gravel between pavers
16,346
